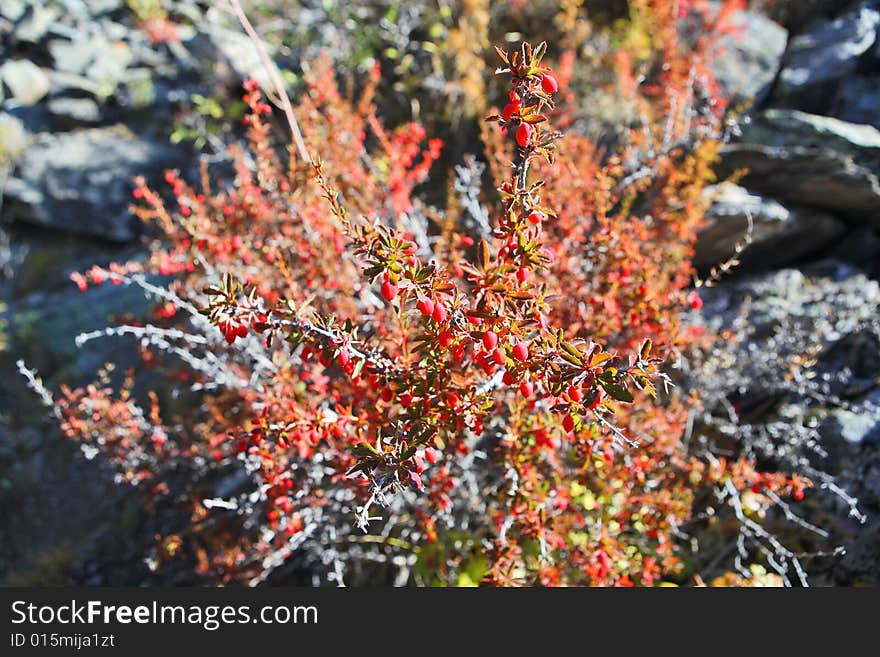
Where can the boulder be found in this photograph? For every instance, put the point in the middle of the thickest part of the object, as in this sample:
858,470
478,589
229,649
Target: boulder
73,111
80,182
858,100
818,60
747,61
27,82
780,236
855,428
813,177
13,140
788,128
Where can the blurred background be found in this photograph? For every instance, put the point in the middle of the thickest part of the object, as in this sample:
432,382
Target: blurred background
95,92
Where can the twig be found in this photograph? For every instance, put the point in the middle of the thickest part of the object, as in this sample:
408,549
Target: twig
276,80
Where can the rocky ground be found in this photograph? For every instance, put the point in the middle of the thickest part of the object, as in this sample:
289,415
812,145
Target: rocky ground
87,101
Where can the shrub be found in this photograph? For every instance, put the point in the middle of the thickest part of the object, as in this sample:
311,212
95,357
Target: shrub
449,396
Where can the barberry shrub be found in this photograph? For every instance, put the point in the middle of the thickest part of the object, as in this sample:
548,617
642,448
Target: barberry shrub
384,389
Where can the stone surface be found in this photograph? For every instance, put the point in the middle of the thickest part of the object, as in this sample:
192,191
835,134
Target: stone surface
780,236
855,428
820,58
80,182
26,81
13,140
812,177
74,110
791,128
858,100
749,59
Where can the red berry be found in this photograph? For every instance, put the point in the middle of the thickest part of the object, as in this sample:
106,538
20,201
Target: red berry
344,357
522,274
439,313
549,83
568,423
498,357
432,455
694,300
524,134
426,306
509,378
526,389
575,394
453,399
446,338
406,399
241,331
521,352
387,395
510,109
798,494
389,290
490,340
458,352
536,218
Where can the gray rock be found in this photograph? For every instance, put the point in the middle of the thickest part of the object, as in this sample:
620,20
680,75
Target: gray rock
811,177
80,182
36,22
747,65
75,110
787,128
13,10
26,81
73,56
858,100
820,58
780,236
861,248
832,308
13,139
233,46
854,428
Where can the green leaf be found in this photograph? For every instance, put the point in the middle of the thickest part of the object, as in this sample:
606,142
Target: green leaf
618,392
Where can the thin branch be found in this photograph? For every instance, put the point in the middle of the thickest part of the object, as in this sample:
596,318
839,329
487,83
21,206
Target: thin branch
276,80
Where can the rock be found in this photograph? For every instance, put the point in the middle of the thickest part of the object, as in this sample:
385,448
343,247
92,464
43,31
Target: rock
827,308
13,10
857,427
811,177
13,139
43,328
860,248
26,81
73,56
75,110
36,21
818,60
787,128
796,14
747,65
99,59
858,100
218,43
80,182
108,70
854,428
780,235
